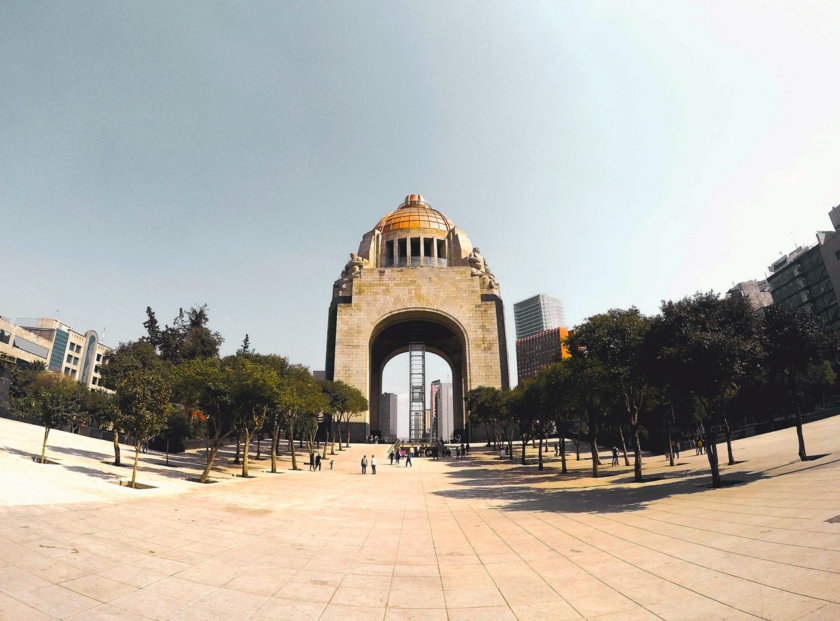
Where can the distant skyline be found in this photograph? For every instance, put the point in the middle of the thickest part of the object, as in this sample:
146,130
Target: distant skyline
606,153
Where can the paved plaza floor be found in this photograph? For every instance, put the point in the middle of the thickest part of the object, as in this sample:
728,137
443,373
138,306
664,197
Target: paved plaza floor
472,539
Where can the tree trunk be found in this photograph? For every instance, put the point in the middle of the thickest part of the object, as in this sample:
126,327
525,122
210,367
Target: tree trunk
292,443
116,447
211,457
729,441
167,450
524,446
238,442
348,432
245,447
327,441
539,454
44,446
274,441
338,428
802,454
623,445
711,453
593,447
134,470
259,442
637,455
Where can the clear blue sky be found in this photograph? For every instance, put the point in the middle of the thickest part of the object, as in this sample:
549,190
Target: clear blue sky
608,153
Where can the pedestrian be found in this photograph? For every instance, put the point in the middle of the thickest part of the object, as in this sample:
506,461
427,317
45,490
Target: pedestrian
677,448
373,464
398,456
364,464
408,460
615,456
318,462
391,457
700,444
457,452
331,464
311,462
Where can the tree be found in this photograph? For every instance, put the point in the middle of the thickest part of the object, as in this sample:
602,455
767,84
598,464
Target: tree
617,340
176,427
798,345
245,348
484,404
205,384
301,395
254,391
53,400
591,392
127,358
188,338
143,399
345,401
708,346
558,399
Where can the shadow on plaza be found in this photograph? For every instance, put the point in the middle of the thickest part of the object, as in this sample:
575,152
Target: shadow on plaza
515,488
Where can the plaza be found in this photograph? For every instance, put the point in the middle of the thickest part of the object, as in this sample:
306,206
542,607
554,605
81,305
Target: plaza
466,539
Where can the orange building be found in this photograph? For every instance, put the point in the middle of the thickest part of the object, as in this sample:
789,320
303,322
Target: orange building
540,350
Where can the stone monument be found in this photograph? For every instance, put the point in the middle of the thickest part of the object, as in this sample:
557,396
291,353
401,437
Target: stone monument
416,279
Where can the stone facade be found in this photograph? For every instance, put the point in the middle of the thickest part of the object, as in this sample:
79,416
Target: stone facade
450,302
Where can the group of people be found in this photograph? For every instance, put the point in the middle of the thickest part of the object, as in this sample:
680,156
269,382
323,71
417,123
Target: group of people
399,454
372,464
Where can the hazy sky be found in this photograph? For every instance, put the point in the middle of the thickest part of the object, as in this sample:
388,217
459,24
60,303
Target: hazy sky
608,153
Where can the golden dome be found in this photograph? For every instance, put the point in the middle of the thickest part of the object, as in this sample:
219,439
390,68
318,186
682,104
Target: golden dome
414,213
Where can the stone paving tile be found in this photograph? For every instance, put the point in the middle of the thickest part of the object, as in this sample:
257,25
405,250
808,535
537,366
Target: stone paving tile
394,546
10,608
105,612
99,587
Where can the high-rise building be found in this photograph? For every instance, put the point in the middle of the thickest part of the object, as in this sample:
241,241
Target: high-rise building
756,292
388,416
443,423
809,277
57,345
538,314
538,351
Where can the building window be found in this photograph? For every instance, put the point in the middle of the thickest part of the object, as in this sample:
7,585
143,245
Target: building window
99,357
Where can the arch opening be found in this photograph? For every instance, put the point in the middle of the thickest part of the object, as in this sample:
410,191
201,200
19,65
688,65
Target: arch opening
441,337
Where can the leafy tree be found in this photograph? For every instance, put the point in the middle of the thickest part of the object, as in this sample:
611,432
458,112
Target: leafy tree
798,345
617,340
559,401
345,401
254,391
23,375
301,395
593,395
53,400
188,338
204,384
708,347
127,358
143,398
176,427
485,407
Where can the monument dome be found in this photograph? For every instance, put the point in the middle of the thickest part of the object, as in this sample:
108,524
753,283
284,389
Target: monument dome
414,213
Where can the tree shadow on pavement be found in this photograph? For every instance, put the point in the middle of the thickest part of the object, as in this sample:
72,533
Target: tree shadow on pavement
515,493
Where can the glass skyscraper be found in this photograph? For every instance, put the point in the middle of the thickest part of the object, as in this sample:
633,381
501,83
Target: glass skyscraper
538,314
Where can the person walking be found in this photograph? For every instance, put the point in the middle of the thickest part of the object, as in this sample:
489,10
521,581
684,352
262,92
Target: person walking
408,460
373,464
391,456
677,449
318,462
311,462
398,456
364,464
615,456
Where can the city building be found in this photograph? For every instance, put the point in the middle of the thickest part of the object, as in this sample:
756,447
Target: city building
809,277
756,292
443,420
61,348
539,350
388,409
538,314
